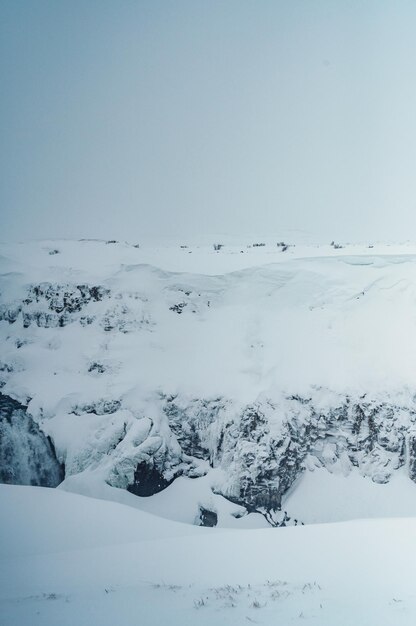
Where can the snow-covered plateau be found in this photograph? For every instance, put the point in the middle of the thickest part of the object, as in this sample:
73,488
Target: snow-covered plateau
243,385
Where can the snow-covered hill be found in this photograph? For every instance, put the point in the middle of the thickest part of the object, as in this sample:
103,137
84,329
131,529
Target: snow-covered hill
81,561
217,381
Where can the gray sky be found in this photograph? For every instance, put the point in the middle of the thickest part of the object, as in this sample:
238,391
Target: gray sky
126,118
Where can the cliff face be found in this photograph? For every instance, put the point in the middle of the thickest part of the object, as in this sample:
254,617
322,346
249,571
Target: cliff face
133,376
27,456
267,446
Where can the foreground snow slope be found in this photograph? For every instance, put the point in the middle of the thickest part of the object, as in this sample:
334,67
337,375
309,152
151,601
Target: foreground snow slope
76,560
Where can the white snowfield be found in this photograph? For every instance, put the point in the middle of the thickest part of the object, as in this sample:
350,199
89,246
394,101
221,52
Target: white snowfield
255,319
70,560
242,325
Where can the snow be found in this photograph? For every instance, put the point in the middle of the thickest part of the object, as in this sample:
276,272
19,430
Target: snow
310,316
254,325
259,325
181,501
78,560
320,496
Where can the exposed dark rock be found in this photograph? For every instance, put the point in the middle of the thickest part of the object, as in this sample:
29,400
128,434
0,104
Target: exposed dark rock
6,370
10,313
148,480
51,305
412,457
262,467
207,518
101,407
27,456
86,320
191,424
178,308
97,368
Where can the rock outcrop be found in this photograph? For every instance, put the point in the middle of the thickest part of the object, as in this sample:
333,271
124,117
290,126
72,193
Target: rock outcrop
27,456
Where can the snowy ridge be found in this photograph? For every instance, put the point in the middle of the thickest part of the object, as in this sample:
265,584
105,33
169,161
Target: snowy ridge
243,380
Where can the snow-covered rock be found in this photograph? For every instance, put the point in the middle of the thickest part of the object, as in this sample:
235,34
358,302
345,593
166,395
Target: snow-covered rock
27,456
140,375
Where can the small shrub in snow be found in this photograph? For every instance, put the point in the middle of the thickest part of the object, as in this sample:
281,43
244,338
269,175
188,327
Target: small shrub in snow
178,308
98,368
256,604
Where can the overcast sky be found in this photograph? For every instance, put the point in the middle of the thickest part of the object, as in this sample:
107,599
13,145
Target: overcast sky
126,118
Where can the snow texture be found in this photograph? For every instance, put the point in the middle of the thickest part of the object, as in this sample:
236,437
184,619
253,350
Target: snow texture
241,370
84,561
